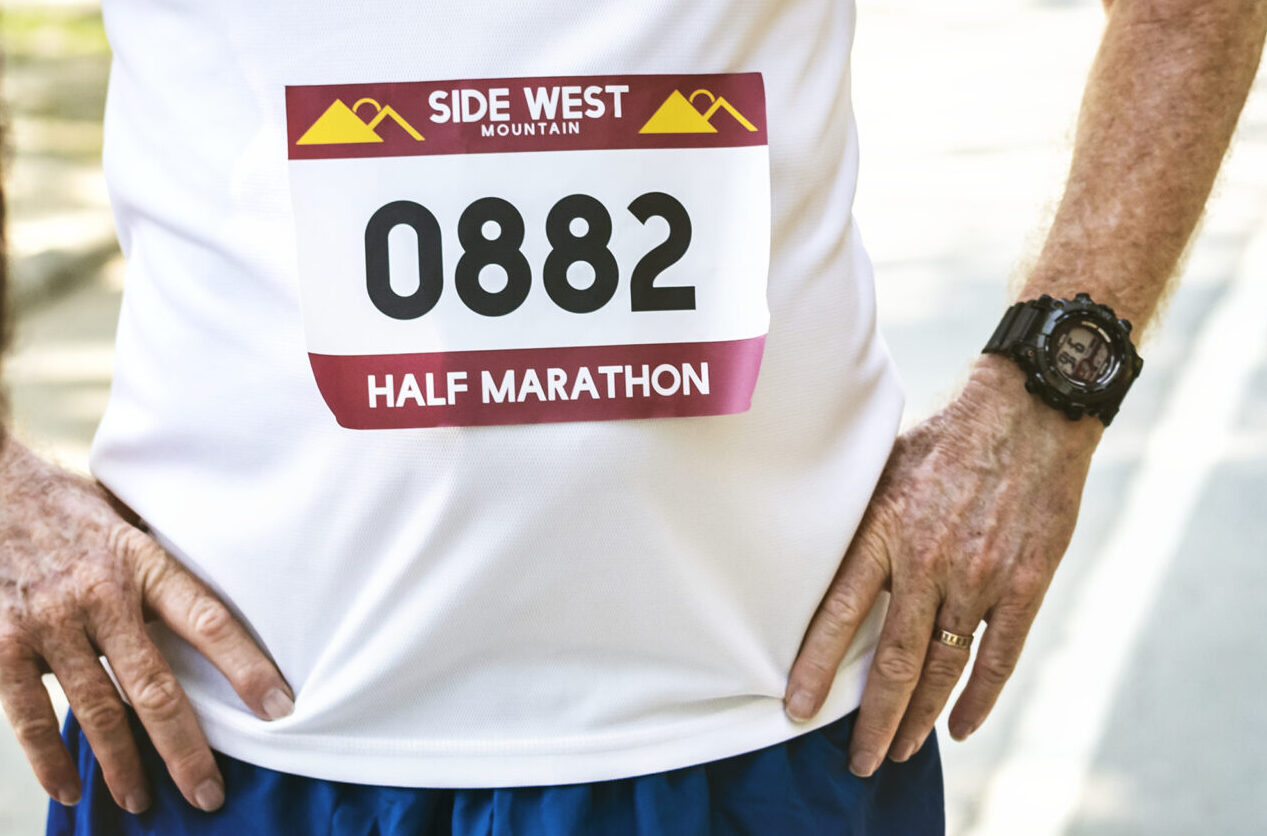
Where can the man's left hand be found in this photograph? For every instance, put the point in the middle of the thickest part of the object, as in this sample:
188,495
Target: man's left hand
974,510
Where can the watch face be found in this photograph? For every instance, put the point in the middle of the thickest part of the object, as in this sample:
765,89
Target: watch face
1082,352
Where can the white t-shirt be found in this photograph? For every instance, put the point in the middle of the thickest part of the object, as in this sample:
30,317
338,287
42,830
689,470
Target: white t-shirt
511,369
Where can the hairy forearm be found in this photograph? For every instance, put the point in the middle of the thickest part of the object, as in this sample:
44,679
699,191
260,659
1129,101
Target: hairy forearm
1160,107
4,299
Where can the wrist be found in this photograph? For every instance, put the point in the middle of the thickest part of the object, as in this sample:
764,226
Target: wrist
996,387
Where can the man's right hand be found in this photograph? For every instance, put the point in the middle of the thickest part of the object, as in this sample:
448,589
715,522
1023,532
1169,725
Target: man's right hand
77,581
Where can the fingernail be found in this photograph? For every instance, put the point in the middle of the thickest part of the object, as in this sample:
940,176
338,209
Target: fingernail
863,764
209,795
137,802
801,706
277,704
961,733
68,797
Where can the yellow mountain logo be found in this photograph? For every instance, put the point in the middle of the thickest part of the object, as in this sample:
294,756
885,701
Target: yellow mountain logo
340,125
679,115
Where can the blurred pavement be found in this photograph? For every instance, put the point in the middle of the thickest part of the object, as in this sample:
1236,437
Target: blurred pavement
56,65
1137,707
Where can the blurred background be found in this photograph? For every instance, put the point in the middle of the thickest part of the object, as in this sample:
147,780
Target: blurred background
1138,706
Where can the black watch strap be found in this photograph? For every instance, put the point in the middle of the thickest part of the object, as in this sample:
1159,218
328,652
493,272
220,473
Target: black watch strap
1014,327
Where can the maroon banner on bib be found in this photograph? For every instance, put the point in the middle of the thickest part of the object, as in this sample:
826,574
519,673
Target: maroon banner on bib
539,385
499,115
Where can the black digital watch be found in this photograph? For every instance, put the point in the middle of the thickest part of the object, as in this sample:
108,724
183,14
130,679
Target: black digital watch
1078,355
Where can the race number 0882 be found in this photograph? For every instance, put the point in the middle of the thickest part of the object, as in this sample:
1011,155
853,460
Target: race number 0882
505,250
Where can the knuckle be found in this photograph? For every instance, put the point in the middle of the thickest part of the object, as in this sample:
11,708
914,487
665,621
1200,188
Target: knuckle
153,575
35,729
255,679
1028,585
896,665
211,619
994,671
920,717
151,566
47,604
190,764
98,588
158,693
125,540
942,670
54,619
871,732
102,715
841,610
977,573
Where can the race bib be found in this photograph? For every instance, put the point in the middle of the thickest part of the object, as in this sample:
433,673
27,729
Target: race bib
525,250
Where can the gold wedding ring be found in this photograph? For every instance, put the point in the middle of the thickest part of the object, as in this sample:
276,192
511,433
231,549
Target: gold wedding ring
953,639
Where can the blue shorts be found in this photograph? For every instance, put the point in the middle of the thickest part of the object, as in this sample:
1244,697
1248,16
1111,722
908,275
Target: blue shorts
800,786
